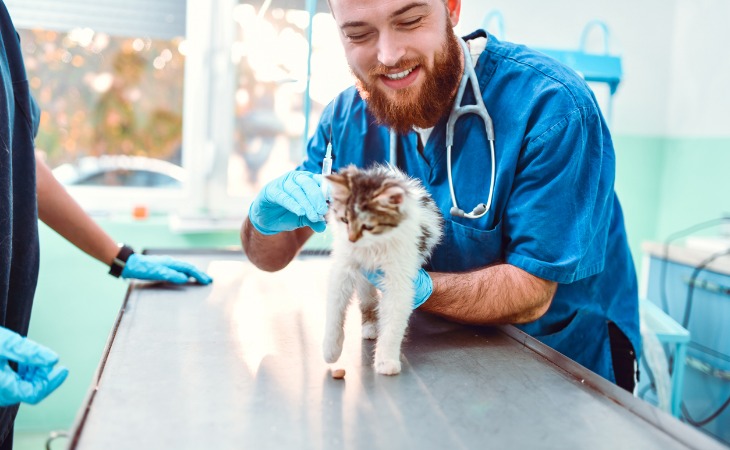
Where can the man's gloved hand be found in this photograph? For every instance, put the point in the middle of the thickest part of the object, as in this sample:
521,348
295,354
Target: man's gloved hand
423,285
162,268
36,376
293,200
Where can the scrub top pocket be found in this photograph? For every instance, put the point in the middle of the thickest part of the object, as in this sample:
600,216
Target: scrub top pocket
464,248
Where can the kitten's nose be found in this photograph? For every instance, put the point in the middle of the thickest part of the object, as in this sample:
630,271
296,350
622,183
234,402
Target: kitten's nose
353,236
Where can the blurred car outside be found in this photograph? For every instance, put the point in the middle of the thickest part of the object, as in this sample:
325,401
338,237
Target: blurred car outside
121,171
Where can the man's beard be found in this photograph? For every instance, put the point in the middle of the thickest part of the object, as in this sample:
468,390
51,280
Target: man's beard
412,106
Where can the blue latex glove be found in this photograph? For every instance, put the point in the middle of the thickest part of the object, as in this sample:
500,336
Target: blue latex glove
162,268
292,201
36,376
423,285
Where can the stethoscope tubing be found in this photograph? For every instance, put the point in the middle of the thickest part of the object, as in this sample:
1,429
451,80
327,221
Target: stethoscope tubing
469,76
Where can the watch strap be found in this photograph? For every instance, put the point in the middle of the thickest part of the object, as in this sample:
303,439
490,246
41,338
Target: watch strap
119,261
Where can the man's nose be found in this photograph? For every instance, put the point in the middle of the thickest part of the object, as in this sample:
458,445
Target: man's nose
390,49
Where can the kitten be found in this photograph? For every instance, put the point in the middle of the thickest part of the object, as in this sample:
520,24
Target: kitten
382,220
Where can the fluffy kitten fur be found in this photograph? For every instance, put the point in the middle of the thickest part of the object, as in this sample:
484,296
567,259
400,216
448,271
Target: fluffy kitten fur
381,220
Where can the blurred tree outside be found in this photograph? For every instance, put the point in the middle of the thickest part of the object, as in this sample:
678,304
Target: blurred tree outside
105,95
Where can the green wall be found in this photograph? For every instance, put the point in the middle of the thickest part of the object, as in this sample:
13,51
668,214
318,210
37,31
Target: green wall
695,184
77,303
664,185
639,167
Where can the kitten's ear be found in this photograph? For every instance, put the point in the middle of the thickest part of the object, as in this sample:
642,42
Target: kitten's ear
339,185
390,194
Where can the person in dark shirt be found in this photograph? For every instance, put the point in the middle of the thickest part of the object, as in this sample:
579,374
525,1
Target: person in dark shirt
28,191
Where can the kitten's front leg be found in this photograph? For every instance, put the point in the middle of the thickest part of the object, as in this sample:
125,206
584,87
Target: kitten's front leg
341,287
394,310
368,296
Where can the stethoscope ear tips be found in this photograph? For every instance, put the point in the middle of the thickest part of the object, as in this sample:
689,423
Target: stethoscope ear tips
456,212
479,209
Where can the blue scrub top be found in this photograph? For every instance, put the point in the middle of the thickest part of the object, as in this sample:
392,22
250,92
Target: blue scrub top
554,213
19,118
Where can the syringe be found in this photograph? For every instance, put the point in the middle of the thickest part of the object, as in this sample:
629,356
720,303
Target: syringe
326,169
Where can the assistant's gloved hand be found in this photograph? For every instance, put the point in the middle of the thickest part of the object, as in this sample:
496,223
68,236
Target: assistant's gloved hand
292,201
423,285
162,268
36,376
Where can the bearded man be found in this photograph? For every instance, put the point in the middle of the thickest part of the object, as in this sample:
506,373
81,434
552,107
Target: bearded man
549,253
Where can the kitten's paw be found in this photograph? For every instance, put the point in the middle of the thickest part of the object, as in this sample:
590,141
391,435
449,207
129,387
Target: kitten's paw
387,367
369,330
332,351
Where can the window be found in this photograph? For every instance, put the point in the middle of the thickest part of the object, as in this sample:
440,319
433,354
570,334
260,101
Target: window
105,95
249,106
230,99
270,55
109,78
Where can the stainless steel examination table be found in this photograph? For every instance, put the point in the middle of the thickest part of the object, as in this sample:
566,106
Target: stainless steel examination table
238,365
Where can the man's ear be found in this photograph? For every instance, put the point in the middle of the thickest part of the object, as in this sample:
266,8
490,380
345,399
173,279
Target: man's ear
454,7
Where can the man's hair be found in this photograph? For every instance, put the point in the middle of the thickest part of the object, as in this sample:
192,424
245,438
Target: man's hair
329,3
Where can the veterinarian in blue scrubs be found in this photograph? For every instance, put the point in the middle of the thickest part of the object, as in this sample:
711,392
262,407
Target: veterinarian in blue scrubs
28,371
551,254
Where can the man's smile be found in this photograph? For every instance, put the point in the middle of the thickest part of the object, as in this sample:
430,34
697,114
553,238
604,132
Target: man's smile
401,79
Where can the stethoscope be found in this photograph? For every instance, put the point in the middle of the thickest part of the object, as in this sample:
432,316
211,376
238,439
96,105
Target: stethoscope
457,111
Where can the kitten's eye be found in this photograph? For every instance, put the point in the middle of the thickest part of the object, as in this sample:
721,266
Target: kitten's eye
344,220
367,227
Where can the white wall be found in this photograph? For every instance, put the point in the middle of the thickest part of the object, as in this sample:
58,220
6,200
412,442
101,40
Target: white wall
700,70
674,55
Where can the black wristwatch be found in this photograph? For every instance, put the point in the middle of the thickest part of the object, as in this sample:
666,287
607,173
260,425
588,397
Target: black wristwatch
119,261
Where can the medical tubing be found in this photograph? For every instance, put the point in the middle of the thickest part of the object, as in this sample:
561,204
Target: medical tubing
494,174
688,303
665,257
457,111
706,420
685,322
455,210
693,281
479,108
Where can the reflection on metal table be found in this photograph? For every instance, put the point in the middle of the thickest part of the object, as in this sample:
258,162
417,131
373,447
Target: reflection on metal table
238,364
